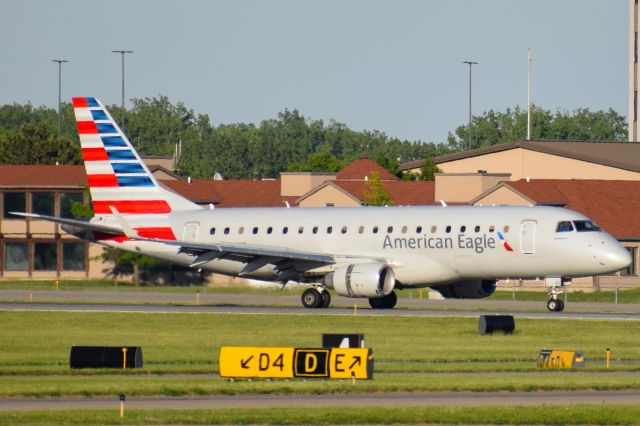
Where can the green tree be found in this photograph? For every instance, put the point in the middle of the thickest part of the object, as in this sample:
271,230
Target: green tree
36,143
499,127
376,194
317,162
429,169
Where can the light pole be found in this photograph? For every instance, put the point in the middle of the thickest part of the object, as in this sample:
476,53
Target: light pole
60,62
122,52
471,63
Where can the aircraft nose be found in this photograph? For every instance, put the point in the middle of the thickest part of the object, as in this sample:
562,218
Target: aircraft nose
617,257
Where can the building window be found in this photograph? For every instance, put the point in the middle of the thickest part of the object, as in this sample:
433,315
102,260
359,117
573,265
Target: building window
74,256
43,203
66,202
44,256
14,202
16,257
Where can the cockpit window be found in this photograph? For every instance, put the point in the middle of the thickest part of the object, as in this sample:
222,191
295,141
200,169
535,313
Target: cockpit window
585,226
564,227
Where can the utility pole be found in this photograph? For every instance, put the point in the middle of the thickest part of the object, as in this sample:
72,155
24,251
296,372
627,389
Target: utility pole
529,96
122,52
60,62
470,63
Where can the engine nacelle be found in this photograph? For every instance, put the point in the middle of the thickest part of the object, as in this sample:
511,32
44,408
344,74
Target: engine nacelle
471,289
370,280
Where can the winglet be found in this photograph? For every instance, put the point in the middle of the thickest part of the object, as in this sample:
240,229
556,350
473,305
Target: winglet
126,228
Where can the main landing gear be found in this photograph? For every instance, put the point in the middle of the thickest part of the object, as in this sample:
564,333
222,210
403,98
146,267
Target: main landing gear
314,298
319,297
554,304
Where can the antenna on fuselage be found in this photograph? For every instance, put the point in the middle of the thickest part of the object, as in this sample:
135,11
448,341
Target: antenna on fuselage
443,203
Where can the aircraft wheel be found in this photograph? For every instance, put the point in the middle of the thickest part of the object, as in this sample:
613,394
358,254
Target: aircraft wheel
560,306
390,300
311,298
326,299
385,302
552,305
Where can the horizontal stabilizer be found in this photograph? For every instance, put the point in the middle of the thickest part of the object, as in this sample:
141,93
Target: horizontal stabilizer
82,224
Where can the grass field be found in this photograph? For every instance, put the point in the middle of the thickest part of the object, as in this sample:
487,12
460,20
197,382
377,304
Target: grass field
39,342
411,354
526,415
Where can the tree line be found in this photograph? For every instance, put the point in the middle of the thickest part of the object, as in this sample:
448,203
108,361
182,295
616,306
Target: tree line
290,141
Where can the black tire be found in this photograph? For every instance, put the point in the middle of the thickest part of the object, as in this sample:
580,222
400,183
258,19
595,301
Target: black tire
326,299
311,298
375,303
386,302
552,305
560,306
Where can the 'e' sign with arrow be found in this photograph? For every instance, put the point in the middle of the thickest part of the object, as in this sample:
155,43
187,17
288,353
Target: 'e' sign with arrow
270,362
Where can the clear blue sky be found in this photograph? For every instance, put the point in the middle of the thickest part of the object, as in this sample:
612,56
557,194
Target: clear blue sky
394,66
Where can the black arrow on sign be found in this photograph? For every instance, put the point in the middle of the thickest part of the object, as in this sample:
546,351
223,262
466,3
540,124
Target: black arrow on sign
356,361
245,363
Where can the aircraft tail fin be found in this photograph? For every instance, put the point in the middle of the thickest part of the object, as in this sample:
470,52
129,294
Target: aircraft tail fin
117,176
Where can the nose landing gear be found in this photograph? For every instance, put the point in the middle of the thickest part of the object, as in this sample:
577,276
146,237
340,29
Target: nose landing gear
554,304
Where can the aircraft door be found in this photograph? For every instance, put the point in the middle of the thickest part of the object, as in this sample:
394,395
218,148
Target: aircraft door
190,232
528,237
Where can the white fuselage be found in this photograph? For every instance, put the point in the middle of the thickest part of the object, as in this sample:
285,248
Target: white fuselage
423,245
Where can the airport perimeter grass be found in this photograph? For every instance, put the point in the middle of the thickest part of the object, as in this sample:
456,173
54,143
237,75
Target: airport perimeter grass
549,415
411,353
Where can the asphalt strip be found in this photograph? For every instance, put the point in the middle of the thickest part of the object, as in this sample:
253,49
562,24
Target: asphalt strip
396,399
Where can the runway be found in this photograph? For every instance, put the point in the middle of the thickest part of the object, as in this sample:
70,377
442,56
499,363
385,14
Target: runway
243,304
386,399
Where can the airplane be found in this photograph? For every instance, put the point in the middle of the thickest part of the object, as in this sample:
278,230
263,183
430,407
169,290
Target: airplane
359,252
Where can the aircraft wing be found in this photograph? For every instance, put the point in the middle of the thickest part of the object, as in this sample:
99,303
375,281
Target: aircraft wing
254,257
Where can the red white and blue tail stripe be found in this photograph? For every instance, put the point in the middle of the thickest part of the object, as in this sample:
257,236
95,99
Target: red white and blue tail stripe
117,176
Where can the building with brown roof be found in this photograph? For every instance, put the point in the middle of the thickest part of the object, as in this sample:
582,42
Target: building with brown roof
545,160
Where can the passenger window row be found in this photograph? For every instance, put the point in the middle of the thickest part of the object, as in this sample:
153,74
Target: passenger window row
361,229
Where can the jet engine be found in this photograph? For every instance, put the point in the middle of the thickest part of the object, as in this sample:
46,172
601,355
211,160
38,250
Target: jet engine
370,280
470,289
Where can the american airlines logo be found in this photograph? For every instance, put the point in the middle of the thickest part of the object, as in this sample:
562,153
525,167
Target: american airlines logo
478,244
